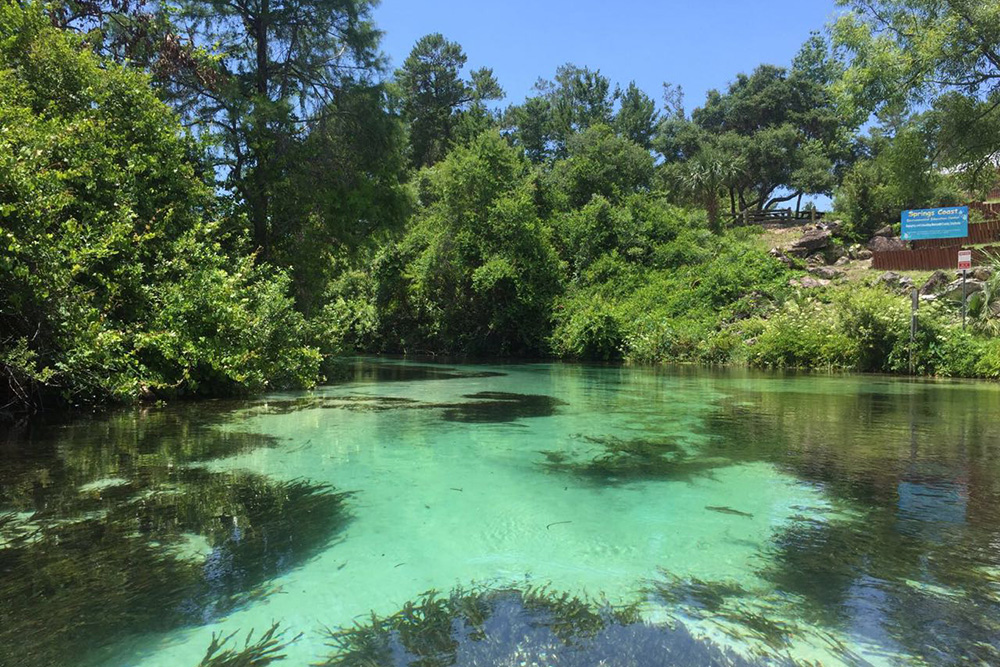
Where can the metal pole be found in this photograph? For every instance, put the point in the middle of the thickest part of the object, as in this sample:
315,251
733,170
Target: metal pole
965,298
914,305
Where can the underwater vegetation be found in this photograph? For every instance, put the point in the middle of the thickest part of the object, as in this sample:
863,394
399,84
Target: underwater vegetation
531,626
481,408
755,619
260,653
119,534
610,460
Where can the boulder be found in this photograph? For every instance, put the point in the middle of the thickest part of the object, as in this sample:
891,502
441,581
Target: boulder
894,281
885,232
953,290
816,259
808,282
885,244
937,282
982,273
834,226
843,261
813,240
782,257
826,272
864,253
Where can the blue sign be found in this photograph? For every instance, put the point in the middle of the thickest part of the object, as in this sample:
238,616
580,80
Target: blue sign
936,223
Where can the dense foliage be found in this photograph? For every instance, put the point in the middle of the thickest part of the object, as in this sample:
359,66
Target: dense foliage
317,204
113,281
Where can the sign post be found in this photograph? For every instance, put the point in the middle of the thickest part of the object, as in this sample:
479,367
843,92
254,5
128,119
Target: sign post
936,223
964,264
914,305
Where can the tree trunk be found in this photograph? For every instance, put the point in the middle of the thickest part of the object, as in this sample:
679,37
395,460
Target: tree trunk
712,206
798,206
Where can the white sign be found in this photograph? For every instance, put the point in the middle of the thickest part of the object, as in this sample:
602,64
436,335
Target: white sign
964,260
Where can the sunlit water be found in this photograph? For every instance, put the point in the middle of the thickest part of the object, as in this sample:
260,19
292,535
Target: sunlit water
847,520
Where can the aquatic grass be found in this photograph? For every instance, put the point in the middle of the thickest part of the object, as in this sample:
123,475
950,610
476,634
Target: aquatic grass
623,461
260,653
520,626
81,581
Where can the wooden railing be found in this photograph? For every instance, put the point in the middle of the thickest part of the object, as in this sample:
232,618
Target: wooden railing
774,215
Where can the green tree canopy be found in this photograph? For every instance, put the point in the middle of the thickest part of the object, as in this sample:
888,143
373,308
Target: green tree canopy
435,96
112,280
919,54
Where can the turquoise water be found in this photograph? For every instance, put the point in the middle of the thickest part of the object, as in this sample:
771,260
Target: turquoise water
845,520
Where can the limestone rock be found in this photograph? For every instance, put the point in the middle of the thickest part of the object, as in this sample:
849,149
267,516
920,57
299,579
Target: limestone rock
826,272
894,281
808,282
937,282
954,290
812,241
885,244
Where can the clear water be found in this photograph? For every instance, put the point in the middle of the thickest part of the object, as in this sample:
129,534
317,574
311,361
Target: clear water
846,520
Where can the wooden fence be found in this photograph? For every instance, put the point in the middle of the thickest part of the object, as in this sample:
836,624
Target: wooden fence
776,215
989,210
927,259
981,232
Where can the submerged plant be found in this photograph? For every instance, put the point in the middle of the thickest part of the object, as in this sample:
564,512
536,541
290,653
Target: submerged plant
267,649
489,627
637,459
107,531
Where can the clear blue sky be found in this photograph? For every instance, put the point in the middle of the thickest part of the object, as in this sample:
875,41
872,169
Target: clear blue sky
699,44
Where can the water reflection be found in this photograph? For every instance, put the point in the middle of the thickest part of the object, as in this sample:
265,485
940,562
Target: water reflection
914,565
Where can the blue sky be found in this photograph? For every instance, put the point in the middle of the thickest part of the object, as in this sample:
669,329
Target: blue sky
699,44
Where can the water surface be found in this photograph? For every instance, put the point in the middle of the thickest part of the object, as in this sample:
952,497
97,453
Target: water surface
849,520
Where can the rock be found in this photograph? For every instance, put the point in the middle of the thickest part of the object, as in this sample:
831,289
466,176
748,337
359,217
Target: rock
813,240
982,273
843,261
954,290
816,259
779,255
885,232
808,282
834,226
864,253
893,280
826,272
834,252
937,282
884,244
928,297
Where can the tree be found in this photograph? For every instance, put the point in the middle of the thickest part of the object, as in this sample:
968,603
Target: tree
780,129
599,162
434,95
576,99
944,54
276,66
476,272
112,279
893,172
637,116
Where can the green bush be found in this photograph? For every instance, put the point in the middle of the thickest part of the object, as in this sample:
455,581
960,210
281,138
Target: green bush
113,283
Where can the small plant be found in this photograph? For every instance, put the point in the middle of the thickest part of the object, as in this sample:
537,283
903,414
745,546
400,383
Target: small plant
264,651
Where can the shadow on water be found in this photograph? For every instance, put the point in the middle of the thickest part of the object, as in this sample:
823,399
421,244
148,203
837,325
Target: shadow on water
116,535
